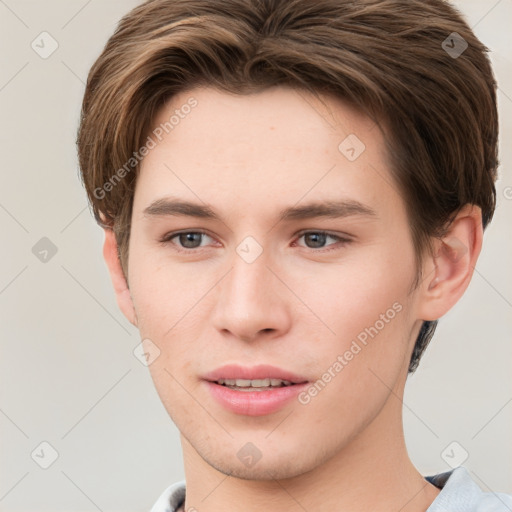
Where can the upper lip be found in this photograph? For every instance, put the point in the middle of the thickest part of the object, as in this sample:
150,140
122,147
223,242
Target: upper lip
262,371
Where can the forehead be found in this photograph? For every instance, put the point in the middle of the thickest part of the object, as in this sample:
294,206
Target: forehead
277,147
278,117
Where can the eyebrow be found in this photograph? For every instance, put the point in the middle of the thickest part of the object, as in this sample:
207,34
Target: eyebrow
329,209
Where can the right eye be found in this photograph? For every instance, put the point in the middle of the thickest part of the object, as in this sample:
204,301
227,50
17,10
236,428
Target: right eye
187,241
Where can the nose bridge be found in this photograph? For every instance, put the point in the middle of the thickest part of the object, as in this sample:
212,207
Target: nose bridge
249,300
248,284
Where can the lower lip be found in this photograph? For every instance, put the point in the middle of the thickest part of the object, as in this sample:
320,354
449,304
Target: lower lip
254,403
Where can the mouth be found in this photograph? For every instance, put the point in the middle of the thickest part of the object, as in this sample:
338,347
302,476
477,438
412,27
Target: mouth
254,391
254,385
256,377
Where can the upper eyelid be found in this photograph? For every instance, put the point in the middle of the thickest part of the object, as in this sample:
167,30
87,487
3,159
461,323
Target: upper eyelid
173,234
324,231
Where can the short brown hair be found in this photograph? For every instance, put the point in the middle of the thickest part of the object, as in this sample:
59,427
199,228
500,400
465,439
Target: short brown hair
391,59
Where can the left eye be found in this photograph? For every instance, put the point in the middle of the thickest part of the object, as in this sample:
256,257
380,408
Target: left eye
189,240
318,238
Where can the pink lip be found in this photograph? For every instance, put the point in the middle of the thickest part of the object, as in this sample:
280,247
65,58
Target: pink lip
253,403
262,371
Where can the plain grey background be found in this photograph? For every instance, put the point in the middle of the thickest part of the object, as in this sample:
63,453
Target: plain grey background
69,376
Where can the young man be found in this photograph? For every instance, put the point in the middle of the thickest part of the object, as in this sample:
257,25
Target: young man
292,193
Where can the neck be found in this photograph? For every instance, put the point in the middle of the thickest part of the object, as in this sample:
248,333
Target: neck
371,472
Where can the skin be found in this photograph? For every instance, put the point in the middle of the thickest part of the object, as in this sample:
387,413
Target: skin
295,306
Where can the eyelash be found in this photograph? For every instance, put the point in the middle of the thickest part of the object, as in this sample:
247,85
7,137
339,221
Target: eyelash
342,241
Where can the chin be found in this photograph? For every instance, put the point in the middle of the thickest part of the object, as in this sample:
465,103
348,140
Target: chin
274,464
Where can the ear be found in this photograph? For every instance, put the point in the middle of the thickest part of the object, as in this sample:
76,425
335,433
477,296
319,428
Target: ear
449,269
124,299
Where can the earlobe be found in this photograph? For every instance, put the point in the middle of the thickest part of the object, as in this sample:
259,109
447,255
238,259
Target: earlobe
124,299
452,264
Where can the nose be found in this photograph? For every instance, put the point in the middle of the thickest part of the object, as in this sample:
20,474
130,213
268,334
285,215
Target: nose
252,302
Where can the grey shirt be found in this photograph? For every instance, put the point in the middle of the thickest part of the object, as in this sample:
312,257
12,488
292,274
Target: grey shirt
459,493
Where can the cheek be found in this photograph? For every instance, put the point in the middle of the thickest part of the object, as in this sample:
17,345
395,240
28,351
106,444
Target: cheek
366,312
158,290
365,291
169,304
358,367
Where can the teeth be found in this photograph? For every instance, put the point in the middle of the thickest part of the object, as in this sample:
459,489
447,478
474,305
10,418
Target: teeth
255,383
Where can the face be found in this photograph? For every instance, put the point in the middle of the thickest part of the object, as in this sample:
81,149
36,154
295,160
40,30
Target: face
266,277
